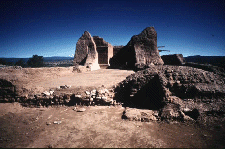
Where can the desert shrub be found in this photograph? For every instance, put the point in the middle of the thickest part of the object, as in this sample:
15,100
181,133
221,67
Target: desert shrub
4,62
36,61
20,63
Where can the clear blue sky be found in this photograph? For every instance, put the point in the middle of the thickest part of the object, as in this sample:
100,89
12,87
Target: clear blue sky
52,28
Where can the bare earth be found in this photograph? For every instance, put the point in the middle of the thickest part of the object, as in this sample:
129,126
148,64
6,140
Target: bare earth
98,126
37,80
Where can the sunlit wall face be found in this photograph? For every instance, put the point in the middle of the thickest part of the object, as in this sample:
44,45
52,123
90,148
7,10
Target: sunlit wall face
52,28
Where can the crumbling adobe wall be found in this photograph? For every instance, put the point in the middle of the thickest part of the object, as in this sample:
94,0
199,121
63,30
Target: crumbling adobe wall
86,52
103,55
124,58
84,42
145,45
173,59
207,67
100,41
105,50
140,51
92,51
116,49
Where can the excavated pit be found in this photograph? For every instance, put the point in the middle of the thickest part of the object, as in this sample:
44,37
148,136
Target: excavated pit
150,96
7,91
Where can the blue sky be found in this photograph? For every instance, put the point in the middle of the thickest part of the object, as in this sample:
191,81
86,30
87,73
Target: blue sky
52,28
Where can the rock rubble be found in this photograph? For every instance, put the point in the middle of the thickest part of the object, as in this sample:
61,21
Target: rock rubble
101,96
172,90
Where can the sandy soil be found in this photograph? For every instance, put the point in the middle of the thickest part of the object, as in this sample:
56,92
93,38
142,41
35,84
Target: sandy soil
98,126
37,80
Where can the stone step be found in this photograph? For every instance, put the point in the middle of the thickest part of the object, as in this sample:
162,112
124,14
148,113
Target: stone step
104,66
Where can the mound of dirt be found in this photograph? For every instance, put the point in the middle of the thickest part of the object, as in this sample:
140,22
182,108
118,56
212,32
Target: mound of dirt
207,67
172,90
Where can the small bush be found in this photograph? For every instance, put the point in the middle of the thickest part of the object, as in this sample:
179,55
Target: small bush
36,61
20,63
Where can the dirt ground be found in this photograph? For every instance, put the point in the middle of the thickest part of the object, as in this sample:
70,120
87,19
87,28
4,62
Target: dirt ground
37,80
98,126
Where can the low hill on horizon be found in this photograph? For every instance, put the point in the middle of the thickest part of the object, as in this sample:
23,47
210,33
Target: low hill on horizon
213,60
46,59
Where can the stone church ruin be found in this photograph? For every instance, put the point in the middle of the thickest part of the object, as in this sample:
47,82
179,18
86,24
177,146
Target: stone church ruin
93,52
164,84
104,50
86,52
141,51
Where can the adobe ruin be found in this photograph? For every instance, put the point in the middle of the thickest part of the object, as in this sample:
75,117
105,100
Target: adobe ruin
104,50
93,52
86,53
173,59
140,50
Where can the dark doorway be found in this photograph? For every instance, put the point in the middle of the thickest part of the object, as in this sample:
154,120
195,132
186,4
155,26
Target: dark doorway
102,55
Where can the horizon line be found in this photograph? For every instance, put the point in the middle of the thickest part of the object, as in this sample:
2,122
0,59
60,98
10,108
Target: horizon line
72,57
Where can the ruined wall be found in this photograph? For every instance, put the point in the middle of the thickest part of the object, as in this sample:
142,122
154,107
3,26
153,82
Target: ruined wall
84,44
103,55
116,49
110,52
105,50
124,58
141,51
99,41
86,52
151,86
173,59
145,45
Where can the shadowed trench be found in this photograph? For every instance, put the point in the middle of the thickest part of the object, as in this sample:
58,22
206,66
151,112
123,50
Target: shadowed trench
150,96
7,90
